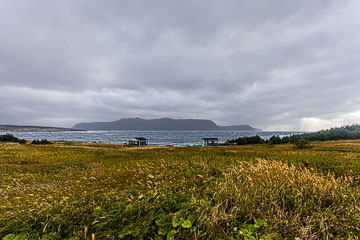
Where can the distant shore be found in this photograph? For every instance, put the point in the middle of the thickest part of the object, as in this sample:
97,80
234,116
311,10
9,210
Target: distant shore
16,128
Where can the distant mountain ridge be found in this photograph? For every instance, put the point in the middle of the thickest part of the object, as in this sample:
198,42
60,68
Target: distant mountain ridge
161,124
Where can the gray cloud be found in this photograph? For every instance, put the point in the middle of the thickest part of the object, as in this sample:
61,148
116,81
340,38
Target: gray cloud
289,65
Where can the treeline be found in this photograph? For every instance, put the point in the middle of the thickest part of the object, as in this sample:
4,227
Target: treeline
247,140
258,140
347,132
341,133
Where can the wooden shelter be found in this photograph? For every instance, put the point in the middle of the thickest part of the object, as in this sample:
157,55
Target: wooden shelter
211,141
139,141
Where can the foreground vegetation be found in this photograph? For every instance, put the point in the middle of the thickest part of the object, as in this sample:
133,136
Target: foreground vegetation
102,191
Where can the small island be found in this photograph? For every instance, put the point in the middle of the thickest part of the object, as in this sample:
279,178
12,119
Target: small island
161,124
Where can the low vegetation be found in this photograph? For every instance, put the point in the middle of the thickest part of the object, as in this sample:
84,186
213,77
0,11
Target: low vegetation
42,141
101,191
11,138
247,140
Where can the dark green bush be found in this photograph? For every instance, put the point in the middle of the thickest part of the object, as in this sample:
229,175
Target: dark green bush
11,138
275,139
42,141
242,141
302,143
247,140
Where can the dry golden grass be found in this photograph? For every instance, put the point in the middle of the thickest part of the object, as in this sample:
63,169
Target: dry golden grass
289,196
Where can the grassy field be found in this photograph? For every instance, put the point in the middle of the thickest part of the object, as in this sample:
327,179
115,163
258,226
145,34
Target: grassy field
102,191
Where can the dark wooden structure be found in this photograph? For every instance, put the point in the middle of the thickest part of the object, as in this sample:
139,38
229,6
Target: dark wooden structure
211,141
139,141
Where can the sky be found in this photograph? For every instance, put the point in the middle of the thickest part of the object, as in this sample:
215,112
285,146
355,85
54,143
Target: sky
276,65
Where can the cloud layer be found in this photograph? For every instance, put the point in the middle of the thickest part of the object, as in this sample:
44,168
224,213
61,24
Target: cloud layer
283,65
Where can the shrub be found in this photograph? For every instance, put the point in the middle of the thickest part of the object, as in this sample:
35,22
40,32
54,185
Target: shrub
275,139
11,138
242,141
247,140
255,140
42,141
302,143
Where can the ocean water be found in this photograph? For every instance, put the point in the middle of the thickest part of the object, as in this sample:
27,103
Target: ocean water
177,138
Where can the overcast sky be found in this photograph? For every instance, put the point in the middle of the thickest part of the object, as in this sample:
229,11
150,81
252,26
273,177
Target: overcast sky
276,65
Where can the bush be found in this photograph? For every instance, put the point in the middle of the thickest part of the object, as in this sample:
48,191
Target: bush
255,140
11,138
302,143
242,141
42,141
275,139
247,140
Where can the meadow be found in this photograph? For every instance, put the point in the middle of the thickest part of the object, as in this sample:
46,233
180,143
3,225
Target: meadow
70,190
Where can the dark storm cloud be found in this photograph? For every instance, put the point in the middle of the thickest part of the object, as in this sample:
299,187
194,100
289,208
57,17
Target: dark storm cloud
276,65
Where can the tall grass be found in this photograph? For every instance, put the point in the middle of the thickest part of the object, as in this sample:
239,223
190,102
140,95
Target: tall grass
294,200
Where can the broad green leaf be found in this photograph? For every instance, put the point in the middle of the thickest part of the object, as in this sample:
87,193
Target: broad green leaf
74,238
176,222
125,232
252,228
203,202
171,234
191,218
45,237
135,232
260,223
162,231
9,237
186,224
21,236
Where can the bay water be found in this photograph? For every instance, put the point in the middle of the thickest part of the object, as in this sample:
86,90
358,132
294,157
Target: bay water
159,138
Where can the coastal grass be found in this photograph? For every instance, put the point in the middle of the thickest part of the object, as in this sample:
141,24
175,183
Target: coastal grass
71,190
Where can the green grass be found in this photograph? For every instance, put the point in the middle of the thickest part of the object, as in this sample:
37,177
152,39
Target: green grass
71,190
